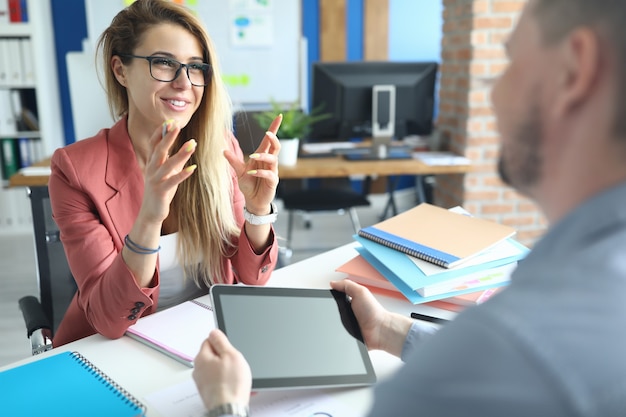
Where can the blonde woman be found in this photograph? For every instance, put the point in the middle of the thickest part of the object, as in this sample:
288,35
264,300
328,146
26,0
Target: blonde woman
160,206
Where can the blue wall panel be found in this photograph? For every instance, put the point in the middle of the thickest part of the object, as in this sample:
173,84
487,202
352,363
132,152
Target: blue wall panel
354,30
70,28
415,30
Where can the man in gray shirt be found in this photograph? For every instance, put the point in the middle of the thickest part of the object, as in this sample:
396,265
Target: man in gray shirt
553,342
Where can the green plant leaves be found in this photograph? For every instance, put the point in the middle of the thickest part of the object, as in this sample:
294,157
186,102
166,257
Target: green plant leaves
295,124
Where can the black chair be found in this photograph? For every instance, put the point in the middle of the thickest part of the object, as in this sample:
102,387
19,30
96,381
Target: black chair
43,315
336,195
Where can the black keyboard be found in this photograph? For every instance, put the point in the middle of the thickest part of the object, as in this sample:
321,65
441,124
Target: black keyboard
367,154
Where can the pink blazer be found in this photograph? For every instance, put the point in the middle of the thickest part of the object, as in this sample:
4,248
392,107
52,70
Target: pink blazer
96,189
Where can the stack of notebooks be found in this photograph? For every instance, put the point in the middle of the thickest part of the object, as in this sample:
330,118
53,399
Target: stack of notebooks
430,253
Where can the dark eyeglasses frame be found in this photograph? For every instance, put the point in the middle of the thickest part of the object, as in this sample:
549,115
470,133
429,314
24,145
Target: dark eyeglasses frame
206,67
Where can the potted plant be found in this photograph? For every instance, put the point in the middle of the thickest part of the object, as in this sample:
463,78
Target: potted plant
296,125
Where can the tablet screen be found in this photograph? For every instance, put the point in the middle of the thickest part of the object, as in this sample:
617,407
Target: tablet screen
293,337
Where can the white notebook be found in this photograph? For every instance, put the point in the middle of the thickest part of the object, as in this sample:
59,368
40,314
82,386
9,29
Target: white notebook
178,331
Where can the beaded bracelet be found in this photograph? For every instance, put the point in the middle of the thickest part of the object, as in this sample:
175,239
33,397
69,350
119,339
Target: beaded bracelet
133,247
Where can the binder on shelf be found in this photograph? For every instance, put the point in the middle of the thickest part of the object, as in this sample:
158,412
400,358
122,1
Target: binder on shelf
16,108
26,58
66,384
437,235
4,62
15,62
8,126
25,157
24,10
10,163
15,11
36,151
5,110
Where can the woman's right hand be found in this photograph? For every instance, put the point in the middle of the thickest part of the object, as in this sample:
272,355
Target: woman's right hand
164,172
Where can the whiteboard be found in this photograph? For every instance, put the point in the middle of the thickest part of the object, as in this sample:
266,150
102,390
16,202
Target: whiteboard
90,109
258,43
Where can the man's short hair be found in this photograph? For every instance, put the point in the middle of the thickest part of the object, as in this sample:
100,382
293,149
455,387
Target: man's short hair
557,18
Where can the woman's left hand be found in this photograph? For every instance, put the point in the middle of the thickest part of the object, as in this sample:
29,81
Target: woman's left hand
258,177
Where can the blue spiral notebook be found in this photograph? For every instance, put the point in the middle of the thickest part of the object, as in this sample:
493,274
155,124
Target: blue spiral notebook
437,235
66,385
389,261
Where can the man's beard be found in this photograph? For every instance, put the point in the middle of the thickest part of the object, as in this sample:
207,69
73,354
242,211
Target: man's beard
520,162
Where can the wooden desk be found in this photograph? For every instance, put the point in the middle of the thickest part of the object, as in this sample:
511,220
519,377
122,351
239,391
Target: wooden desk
21,180
332,167
336,167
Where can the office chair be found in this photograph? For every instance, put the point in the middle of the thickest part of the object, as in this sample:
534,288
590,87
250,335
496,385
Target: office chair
43,315
331,195
338,196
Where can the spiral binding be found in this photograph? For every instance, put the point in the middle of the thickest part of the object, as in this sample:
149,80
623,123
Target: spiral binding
405,249
203,305
112,385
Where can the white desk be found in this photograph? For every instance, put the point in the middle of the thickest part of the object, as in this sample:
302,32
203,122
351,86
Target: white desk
142,370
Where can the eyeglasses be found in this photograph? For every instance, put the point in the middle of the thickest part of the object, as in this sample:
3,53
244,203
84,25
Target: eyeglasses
167,69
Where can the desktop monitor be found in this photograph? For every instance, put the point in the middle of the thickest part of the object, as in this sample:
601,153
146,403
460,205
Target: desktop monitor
373,99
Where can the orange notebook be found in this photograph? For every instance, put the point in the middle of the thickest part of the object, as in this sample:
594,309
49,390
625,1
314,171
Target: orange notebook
437,235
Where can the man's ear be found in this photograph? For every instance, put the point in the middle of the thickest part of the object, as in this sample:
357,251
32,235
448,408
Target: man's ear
118,70
580,61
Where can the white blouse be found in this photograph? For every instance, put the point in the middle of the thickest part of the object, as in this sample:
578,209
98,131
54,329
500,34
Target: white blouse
175,288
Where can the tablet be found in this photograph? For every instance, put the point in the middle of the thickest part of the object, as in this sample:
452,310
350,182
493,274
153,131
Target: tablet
294,337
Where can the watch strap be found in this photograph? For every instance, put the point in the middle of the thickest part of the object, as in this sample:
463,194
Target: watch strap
258,220
228,409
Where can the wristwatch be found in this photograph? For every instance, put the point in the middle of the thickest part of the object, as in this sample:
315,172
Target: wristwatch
228,409
257,220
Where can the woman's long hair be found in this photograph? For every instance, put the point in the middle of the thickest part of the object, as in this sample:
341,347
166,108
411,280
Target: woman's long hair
203,203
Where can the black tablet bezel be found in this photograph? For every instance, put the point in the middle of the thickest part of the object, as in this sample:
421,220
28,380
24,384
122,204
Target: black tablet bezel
219,294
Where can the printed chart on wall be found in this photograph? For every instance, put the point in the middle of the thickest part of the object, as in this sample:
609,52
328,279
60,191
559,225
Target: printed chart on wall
258,44
258,47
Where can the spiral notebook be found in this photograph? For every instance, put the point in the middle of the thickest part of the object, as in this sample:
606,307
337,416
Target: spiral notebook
66,385
178,331
437,235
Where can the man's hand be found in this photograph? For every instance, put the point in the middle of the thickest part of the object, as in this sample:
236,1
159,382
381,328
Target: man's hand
380,328
221,373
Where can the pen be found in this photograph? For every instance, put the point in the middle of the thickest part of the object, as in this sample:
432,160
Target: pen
431,319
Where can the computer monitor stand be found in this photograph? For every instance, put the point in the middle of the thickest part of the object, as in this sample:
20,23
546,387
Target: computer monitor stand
383,128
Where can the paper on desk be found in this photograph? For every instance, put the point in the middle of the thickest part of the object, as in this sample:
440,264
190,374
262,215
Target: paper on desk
35,171
183,400
504,249
441,158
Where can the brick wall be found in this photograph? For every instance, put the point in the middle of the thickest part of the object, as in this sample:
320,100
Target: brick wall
472,54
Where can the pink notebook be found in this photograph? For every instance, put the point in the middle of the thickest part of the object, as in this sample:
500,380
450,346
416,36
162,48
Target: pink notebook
178,331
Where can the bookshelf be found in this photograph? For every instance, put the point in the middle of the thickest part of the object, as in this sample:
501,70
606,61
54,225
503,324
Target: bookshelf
30,107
